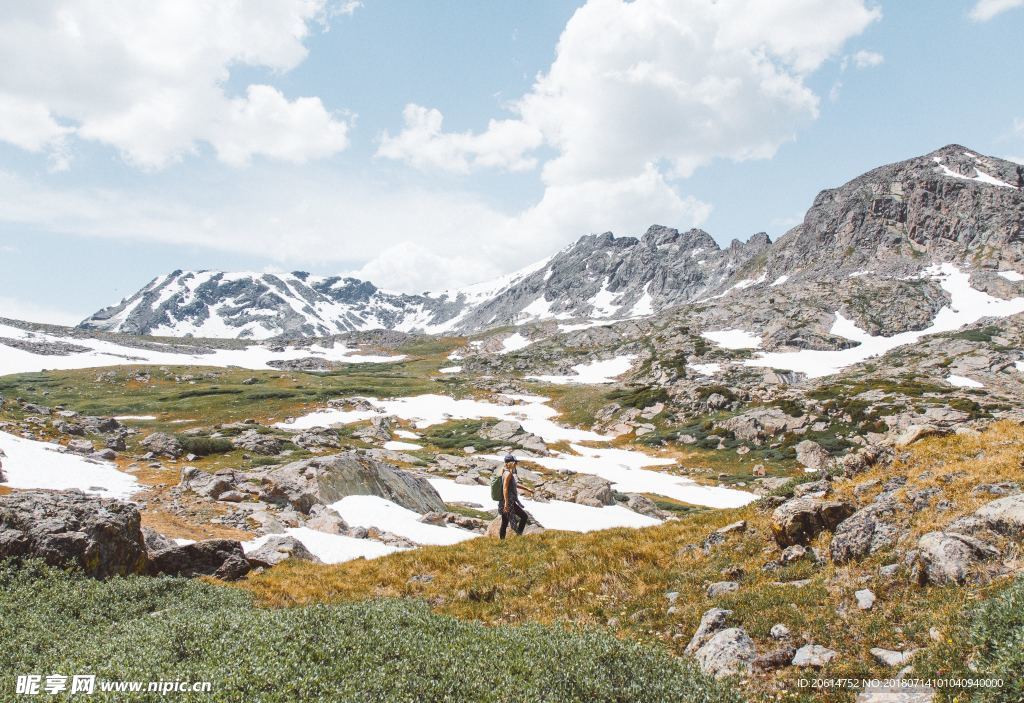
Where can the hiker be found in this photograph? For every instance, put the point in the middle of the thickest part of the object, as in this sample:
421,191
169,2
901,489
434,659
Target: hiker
508,502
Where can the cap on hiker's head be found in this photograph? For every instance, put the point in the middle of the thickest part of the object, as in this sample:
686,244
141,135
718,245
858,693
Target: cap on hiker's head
509,459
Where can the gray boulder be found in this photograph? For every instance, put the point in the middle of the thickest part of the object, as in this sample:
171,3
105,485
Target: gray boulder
713,620
721,588
865,532
946,557
1004,515
257,443
220,558
81,446
812,455
163,444
327,479
156,541
316,437
799,520
103,537
325,519
206,484
813,655
585,489
727,653
277,549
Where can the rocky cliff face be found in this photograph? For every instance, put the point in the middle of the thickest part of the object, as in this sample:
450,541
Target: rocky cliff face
952,205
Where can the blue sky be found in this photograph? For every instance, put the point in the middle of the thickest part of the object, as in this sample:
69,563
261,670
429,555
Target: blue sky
426,145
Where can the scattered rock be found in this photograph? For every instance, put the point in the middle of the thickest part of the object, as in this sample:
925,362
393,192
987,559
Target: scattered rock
799,520
889,657
865,532
81,446
721,588
1004,515
813,655
713,620
277,549
779,631
726,653
776,659
220,558
946,557
163,444
865,598
257,443
812,455
155,541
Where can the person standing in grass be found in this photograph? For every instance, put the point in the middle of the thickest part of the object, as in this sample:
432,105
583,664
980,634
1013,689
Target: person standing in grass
509,505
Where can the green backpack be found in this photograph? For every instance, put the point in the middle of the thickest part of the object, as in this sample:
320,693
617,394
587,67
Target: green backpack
497,490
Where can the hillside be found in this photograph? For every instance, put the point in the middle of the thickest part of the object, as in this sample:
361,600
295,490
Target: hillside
950,206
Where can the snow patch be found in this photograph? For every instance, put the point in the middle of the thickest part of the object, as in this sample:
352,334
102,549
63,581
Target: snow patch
374,511
963,382
1012,276
705,369
780,280
329,548
594,372
32,464
733,339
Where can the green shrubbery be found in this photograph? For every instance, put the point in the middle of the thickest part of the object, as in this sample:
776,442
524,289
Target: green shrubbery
986,643
145,629
205,446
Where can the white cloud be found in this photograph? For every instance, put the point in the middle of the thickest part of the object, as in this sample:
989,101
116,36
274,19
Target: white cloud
424,145
18,309
867,59
666,82
149,78
1018,125
984,10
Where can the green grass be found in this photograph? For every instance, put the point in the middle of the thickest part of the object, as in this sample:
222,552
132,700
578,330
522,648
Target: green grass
987,641
173,629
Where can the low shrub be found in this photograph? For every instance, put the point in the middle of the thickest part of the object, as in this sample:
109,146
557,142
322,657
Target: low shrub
150,629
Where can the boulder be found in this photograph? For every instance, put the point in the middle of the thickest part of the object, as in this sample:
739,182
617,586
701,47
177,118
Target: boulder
727,653
380,429
812,455
163,444
327,520
1004,515
277,549
257,443
585,489
914,433
328,479
316,437
156,541
813,655
513,433
779,631
799,520
946,557
865,598
81,446
775,659
761,423
206,484
220,558
865,532
644,505
103,537
890,657
721,588
713,620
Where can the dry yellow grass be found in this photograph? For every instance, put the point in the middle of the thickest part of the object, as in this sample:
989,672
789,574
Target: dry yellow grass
620,578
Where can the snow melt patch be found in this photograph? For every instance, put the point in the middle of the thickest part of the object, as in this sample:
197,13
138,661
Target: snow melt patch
709,369
31,464
329,548
374,511
645,305
399,446
981,176
432,409
963,382
1012,276
602,304
967,306
780,280
103,353
514,342
451,369
594,372
733,339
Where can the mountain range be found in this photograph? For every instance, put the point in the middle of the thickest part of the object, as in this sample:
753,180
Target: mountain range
952,205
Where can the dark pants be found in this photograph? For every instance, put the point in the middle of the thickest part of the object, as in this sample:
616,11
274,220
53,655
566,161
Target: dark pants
516,511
